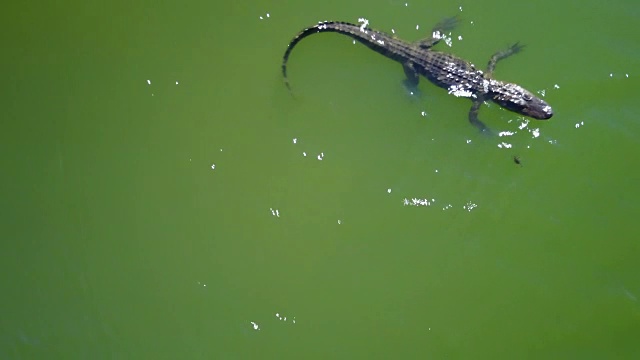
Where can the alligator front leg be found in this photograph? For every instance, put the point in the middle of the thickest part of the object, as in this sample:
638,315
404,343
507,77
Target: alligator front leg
445,25
412,80
473,116
515,48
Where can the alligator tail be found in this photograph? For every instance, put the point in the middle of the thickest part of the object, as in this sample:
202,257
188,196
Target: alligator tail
325,26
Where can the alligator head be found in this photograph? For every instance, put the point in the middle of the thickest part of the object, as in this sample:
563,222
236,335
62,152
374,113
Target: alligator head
520,100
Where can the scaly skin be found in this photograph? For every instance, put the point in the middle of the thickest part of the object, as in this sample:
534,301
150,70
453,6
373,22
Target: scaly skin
460,77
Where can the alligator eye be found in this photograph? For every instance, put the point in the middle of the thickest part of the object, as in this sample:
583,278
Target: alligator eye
527,97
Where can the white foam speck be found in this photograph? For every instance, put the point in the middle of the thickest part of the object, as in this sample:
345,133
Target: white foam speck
535,133
470,206
365,23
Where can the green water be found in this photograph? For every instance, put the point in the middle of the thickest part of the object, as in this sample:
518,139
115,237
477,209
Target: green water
156,205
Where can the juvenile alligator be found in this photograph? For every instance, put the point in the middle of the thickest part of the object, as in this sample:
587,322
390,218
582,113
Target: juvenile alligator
460,77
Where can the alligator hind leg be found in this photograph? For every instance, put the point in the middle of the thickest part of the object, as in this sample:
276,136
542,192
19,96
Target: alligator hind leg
436,33
515,48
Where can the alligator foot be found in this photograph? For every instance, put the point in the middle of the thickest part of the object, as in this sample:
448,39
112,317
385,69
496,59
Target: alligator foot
412,80
447,24
473,117
513,49
411,88
443,26
412,75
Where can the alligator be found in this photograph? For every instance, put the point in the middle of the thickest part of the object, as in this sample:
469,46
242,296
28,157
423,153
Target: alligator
445,70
